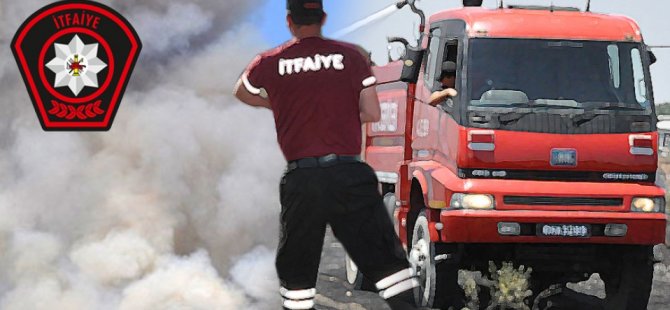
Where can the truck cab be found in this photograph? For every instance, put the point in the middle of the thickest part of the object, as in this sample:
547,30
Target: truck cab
547,157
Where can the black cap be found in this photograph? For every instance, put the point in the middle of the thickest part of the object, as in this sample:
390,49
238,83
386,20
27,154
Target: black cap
306,12
472,2
448,68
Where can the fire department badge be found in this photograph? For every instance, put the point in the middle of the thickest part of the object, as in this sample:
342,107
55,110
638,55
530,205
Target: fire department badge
76,58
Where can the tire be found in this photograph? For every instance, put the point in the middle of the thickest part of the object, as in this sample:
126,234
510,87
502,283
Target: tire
390,204
438,280
539,282
355,277
628,285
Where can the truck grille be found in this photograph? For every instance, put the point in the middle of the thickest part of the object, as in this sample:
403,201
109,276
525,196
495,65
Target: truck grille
562,201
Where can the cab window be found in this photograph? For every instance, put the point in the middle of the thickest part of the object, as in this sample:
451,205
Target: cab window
433,57
615,67
638,77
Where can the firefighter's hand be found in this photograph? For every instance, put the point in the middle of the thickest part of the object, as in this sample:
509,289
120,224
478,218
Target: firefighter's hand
440,96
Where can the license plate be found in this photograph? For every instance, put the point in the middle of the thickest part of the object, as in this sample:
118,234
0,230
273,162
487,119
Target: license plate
563,157
564,230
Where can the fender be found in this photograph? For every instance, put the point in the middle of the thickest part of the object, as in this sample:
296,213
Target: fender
423,173
445,183
420,176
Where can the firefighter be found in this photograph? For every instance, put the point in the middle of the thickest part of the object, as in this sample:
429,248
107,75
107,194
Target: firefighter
321,92
448,80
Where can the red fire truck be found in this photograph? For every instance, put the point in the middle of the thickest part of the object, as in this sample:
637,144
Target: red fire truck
546,158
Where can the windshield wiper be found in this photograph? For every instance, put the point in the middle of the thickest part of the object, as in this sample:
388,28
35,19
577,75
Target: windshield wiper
506,117
503,105
567,104
583,118
513,117
531,104
613,106
590,112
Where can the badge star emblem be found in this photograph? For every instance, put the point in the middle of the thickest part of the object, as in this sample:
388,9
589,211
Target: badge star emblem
76,65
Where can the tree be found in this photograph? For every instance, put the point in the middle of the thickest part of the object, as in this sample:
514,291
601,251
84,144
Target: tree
663,108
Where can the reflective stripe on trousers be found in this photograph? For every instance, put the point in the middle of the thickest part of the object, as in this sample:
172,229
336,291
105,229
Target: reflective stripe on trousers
397,283
298,299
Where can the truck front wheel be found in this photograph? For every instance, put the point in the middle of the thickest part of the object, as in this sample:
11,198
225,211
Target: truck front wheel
355,278
628,285
391,208
438,277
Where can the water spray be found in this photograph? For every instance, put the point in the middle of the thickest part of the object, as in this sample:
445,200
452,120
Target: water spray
379,15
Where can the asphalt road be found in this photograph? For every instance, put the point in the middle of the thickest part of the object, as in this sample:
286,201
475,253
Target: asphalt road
335,293
333,290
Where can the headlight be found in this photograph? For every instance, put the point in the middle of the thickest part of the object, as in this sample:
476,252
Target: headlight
472,201
648,205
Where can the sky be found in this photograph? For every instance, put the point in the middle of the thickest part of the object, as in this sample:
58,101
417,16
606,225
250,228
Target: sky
651,15
272,19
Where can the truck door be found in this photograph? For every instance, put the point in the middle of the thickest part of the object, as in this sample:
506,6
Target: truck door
447,116
424,137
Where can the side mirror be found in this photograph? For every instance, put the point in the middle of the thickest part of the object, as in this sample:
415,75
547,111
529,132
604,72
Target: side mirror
412,65
400,49
652,58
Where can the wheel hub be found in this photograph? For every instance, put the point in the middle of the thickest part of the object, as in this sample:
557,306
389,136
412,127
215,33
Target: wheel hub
419,257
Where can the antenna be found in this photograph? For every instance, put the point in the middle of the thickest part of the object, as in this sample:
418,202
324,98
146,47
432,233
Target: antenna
588,5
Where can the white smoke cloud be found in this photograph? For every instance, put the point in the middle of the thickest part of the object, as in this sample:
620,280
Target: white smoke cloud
119,257
164,33
256,283
183,283
176,207
49,293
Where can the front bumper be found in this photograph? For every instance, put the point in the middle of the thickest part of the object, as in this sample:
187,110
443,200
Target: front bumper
476,226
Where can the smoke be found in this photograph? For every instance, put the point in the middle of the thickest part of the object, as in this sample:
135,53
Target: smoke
175,208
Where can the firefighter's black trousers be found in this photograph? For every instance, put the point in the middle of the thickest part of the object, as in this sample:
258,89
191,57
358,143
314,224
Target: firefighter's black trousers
346,196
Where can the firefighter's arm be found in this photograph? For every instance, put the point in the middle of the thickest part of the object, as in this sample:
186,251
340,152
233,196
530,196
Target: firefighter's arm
369,105
439,96
258,99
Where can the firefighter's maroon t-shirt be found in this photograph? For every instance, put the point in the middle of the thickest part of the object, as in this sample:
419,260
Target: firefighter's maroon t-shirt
314,87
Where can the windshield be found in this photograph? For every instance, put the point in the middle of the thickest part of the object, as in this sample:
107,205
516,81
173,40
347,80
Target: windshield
572,74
